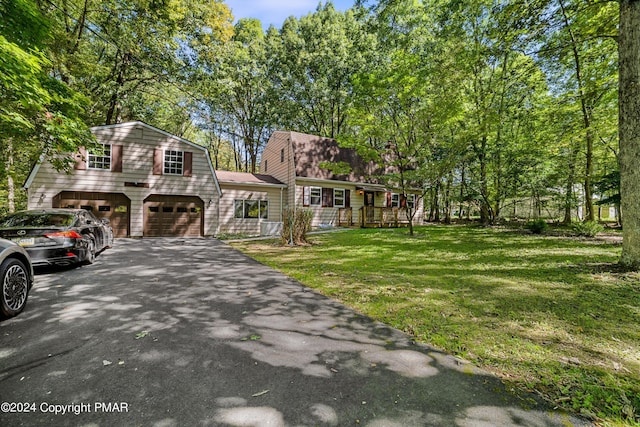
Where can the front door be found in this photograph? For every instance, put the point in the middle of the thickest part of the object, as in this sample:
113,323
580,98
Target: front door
369,202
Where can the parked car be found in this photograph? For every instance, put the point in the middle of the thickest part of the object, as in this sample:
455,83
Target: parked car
16,274
58,236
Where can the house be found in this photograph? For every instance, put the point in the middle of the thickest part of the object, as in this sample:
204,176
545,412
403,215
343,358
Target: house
250,203
337,184
147,182
150,183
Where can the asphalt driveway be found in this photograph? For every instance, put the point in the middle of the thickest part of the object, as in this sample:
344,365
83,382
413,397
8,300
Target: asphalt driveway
173,332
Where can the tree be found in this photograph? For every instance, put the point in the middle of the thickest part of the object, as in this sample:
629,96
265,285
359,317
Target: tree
579,57
124,54
629,111
238,90
313,61
39,115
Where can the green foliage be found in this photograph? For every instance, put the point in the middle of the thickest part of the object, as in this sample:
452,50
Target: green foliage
312,62
539,226
550,315
297,223
587,228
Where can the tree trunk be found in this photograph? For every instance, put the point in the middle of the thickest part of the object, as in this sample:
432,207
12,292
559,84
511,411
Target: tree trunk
11,187
436,203
462,183
568,197
586,119
629,130
447,199
484,187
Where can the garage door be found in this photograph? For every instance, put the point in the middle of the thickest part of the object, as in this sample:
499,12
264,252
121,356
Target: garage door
113,206
180,216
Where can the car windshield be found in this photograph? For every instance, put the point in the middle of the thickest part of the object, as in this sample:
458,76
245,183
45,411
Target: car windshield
45,219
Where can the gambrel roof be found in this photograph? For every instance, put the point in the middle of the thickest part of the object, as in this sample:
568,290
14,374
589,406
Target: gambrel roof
312,153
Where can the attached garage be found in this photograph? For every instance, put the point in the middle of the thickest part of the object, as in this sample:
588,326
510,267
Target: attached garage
113,206
170,216
146,181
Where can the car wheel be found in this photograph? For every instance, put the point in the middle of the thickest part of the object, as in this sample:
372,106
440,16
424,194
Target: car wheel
91,251
15,287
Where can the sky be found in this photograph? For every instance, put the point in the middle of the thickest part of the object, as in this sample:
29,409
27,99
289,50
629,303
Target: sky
277,11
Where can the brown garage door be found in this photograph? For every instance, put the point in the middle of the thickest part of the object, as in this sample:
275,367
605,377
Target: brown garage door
180,216
113,206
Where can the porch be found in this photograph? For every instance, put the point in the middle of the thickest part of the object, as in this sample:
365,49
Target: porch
374,217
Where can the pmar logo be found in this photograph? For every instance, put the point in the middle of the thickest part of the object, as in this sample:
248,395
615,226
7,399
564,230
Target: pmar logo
110,407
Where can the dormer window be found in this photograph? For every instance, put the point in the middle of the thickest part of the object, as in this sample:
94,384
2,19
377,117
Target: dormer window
100,159
173,162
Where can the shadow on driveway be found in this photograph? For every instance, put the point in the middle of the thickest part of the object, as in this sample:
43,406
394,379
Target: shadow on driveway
175,332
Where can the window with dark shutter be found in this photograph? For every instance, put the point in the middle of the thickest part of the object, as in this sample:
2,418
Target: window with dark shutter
116,158
338,197
158,161
327,197
99,158
188,161
315,196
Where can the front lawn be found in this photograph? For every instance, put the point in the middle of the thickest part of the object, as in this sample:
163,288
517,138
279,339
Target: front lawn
546,313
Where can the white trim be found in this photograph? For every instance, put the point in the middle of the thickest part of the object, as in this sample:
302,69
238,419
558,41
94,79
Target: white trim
172,153
259,184
332,182
344,197
35,169
311,196
192,144
89,154
34,172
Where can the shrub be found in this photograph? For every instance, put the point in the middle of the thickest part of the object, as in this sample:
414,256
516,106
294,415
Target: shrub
296,225
538,226
587,229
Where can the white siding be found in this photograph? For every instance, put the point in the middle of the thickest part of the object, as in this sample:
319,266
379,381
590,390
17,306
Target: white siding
138,141
250,226
328,215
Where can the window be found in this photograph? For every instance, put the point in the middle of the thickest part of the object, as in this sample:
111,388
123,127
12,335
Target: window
282,155
251,209
395,200
104,208
101,159
315,196
264,209
338,197
173,162
167,209
411,201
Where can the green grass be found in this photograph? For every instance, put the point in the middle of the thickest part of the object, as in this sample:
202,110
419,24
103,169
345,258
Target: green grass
548,314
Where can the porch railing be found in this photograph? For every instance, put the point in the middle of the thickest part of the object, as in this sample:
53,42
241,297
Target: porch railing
372,216
345,217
